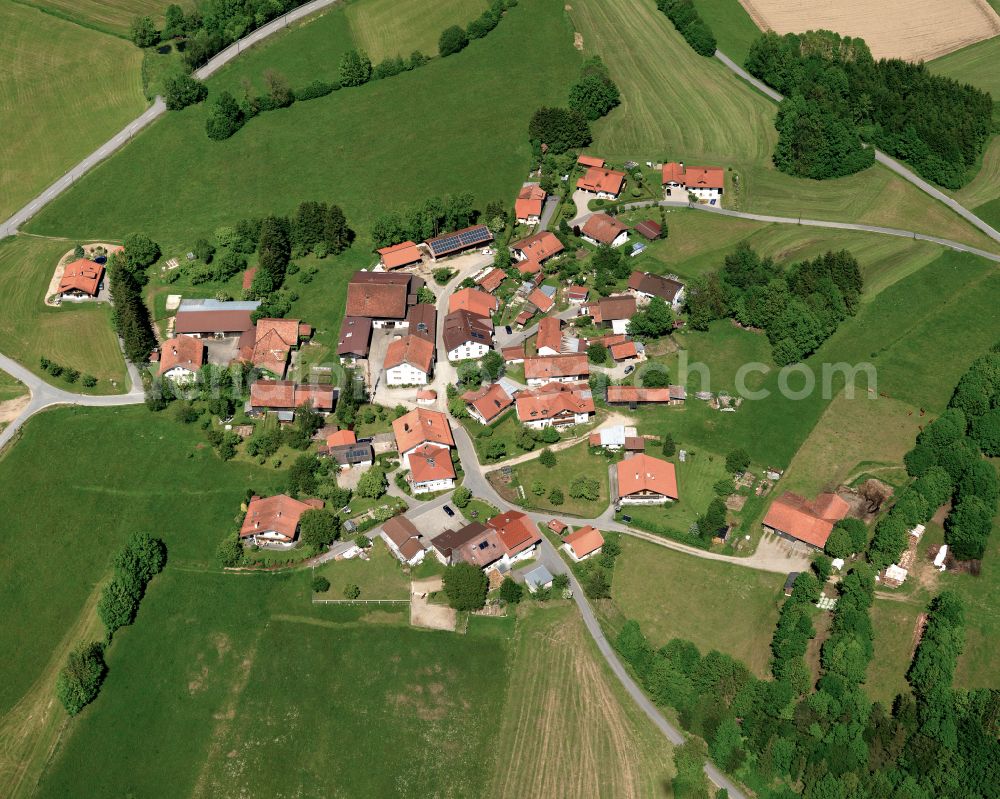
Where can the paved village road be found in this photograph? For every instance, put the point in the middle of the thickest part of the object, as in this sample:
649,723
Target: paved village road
883,159
10,226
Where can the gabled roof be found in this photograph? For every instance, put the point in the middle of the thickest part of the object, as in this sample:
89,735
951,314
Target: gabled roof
340,438
377,299
542,301
694,177
529,267
185,352
422,321
399,255
429,462
646,473
459,240
590,161
648,228
462,327
617,306
491,281
489,401
549,334
81,275
552,399
624,351
280,514
602,228
634,394
599,179
557,526
419,426
809,521
474,301
529,201
556,366
655,285
355,336
399,530
268,344
287,395
540,246
413,350
513,353
578,292
584,541
516,531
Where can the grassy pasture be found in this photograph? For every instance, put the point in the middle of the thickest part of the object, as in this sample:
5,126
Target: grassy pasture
681,106
65,90
78,335
309,151
109,16
975,64
733,27
389,27
567,721
10,387
715,605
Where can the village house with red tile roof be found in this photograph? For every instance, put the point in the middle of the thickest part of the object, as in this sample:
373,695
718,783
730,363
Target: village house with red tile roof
270,342
284,396
555,405
409,361
80,279
601,229
275,520
705,182
583,543
404,540
488,403
431,469
605,183
528,205
559,368
645,480
180,358
420,426
473,301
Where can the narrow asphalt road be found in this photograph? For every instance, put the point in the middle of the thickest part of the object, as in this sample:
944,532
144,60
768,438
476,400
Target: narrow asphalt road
791,220
881,157
10,226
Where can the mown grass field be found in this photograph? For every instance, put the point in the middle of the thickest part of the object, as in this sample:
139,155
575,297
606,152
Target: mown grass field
677,105
733,27
473,101
715,605
65,90
567,721
109,16
76,335
975,64
389,27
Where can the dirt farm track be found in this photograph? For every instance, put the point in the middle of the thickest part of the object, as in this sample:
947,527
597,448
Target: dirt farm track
912,29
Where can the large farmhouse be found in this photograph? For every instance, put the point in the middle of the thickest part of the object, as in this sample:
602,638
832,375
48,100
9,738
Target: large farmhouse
409,361
80,280
383,297
555,405
644,480
810,521
704,182
559,368
466,335
604,183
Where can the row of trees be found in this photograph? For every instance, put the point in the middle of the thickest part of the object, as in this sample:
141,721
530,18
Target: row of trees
837,95
428,219
947,461
67,373
798,307
690,25
130,316
135,565
454,39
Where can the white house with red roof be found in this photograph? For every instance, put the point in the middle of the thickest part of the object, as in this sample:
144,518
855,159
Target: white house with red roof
528,205
519,536
431,469
275,520
583,543
705,182
645,480
180,359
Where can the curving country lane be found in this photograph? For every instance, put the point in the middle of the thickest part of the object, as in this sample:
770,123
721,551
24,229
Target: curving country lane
881,157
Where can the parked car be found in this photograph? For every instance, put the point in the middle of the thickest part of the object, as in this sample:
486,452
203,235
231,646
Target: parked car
448,510
629,369
508,329
626,518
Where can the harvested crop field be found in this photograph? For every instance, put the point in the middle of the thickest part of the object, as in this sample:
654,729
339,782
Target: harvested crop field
919,30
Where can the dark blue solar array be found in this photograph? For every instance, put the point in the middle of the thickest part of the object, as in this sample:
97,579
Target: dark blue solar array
456,241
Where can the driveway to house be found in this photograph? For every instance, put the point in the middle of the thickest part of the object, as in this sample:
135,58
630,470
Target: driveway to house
581,200
521,336
551,204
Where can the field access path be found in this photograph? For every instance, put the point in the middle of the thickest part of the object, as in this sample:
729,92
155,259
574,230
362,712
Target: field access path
885,160
10,226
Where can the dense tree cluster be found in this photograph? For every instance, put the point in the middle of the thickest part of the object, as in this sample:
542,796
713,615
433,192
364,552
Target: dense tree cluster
798,307
947,460
130,314
465,586
318,528
419,222
838,95
610,265
557,130
594,94
80,680
690,25
793,633
135,565
653,321
180,91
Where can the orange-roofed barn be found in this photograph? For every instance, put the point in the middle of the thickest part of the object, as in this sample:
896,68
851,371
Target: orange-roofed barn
794,516
590,161
474,301
275,520
645,480
399,256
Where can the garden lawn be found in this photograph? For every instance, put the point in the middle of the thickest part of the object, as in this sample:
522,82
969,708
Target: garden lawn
75,335
703,114
200,668
65,90
379,577
715,605
386,28
457,124
572,462
478,510
566,723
